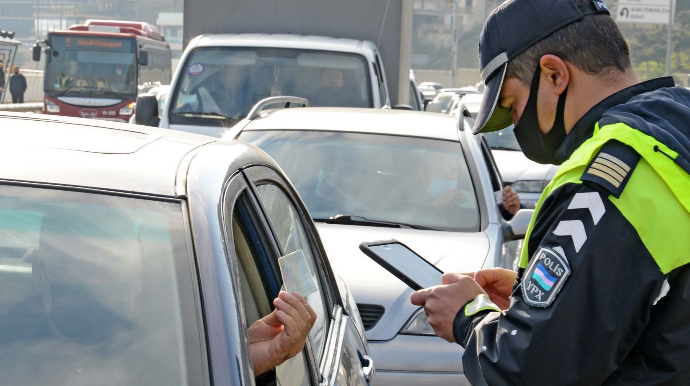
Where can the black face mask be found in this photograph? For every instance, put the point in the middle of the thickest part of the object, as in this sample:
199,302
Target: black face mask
538,147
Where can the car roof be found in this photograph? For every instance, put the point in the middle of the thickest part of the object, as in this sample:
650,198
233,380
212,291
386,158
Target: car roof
310,42
92,153
361,120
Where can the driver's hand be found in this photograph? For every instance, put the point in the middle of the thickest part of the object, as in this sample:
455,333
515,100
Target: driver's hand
450,198
281,334
511,200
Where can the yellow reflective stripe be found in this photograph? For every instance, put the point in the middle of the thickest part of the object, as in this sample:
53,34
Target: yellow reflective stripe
615,182
619,170
659,218
615,160
481,303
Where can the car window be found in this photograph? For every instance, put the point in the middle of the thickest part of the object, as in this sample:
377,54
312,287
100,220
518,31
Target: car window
256,276
95,289
503,139
220,85
292,237
404,180
414,102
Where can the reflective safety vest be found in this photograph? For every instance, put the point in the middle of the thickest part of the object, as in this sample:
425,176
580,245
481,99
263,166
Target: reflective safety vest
656,199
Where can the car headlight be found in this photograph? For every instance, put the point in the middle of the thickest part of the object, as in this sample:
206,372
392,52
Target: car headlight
529,186
127,110
418,325
52,107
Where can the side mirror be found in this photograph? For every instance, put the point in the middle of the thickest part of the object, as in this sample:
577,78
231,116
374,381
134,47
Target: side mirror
36,53
434,107
146,112
143,58
517,227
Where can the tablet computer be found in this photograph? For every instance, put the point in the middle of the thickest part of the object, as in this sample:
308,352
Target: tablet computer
404,263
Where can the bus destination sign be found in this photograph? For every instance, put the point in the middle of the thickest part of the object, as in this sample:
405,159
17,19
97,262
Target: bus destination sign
90,43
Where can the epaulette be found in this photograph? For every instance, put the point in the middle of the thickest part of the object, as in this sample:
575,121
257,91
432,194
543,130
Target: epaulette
612,167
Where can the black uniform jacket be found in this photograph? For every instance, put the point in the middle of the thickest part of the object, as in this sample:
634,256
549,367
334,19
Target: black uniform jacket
613,321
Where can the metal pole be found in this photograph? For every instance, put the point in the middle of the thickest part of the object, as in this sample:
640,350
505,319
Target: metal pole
669,42
454,48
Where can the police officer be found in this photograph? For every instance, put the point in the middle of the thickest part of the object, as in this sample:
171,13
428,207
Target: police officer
602,294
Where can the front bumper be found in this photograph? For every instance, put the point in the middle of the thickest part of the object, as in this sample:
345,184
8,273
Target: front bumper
417,360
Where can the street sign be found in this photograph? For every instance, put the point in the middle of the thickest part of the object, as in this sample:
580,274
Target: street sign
644,11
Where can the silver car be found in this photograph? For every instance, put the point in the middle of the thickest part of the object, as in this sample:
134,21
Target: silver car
139,256
525,176
370,175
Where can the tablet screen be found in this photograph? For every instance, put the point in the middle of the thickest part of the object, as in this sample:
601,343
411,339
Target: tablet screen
409,264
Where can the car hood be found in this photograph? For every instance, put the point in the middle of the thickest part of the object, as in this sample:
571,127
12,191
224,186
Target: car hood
372,284
514,166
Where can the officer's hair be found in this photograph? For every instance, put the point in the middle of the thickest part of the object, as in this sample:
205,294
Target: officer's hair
593,44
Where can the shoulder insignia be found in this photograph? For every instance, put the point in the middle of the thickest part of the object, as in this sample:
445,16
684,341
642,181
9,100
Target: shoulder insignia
544,277
612,167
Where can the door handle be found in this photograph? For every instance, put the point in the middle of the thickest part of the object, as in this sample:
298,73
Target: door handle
368,368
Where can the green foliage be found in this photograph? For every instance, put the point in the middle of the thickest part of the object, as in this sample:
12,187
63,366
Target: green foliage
648,45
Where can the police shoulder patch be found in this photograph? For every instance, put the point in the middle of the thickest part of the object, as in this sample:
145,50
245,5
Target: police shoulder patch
544,277
612,166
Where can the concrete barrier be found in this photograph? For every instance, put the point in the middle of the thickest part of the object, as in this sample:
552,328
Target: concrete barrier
36,107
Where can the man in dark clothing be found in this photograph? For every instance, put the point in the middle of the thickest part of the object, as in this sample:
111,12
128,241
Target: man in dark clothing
17,86
602,293
2,77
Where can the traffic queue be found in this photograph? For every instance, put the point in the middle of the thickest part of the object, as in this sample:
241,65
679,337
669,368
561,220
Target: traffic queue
273,216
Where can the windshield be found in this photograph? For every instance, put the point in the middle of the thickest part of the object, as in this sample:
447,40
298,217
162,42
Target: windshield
89,66
222,84
422,182
503,139
444,101
90,290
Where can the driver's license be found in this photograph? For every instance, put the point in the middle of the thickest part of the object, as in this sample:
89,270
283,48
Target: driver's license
296,274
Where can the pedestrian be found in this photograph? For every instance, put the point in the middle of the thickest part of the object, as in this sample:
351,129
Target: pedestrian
2,77
17,86
602,293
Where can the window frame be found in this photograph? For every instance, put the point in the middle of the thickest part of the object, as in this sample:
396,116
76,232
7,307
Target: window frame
494,173
260,175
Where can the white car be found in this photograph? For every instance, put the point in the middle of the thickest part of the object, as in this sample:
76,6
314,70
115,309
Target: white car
220,78
368,175
525,176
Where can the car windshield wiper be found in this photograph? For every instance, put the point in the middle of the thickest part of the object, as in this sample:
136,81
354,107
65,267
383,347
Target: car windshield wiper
205,114
68,89
504,148
359,220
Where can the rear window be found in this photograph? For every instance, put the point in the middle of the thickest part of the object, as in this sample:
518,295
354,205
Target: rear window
94,290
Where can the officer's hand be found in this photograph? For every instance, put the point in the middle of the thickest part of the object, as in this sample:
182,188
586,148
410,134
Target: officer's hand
442,303
281,334
511,200
496,282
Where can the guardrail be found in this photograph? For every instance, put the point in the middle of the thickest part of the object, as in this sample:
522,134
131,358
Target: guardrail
36,107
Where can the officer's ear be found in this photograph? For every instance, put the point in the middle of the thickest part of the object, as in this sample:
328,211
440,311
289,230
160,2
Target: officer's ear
556,72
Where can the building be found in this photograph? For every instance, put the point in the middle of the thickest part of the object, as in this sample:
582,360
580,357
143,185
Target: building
170,25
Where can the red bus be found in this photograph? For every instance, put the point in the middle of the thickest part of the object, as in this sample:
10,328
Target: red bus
94,70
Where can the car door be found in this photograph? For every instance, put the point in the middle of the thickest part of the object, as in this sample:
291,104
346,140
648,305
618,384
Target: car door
335,350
